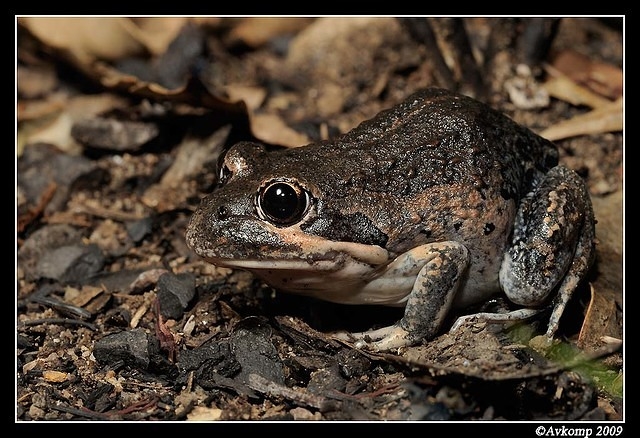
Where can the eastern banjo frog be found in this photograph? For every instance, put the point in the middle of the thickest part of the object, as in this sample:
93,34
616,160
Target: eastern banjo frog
438,202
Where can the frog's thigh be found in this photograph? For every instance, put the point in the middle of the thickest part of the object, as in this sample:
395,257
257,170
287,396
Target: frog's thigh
439,269
552,243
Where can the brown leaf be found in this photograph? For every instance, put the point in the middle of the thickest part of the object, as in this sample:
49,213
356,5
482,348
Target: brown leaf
563,87
256,31
50,120
603,318
39,109
600,323
193,93
155,33
53,129
253,97
271,128
204,413
91,298
603,78
603,119
86,38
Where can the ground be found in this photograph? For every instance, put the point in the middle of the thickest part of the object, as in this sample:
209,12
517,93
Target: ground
118,136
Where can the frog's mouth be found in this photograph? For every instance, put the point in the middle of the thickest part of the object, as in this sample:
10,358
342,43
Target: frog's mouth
278,265
253,246
314,255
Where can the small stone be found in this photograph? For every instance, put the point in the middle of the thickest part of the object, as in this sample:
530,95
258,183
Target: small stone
175,293
71,264
112,134
131,346
256,353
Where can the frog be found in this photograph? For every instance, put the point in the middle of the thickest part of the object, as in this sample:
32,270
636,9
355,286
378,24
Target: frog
434,205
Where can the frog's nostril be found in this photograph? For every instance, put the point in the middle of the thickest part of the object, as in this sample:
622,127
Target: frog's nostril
223,213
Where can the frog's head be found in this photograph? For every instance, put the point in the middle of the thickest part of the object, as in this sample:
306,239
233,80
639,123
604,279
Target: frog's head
268,214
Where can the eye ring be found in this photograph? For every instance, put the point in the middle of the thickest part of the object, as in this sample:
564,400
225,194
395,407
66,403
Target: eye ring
282,202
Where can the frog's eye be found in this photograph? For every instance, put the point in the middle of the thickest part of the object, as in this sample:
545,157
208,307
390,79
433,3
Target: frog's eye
282,203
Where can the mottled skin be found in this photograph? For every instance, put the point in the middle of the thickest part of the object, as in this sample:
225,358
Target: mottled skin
438,202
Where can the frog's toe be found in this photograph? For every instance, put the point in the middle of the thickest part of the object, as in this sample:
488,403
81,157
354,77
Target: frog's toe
463,320
383,339
344,336
396,338
499,318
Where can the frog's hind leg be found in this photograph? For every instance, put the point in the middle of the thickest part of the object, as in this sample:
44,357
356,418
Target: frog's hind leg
552,246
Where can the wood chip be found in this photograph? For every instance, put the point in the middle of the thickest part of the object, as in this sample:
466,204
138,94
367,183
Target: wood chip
55,376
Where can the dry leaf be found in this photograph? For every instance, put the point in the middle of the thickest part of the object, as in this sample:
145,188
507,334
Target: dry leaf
272,129
53,104
35,81
194,93
56,131
605,79
564,88
50,120
609,228
604,315
600,322
256,31
86,38
604,119
155,33
253,97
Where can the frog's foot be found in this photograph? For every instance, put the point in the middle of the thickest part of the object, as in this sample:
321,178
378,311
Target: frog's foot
383,339
513,316
435,270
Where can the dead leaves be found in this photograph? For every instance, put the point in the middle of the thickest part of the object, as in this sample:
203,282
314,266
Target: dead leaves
607,118
600,77
318,53
86,39
580,81
603,319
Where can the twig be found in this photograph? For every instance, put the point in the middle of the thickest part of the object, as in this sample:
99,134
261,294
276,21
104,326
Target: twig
421,31
80,412
455,41
65,321
262,385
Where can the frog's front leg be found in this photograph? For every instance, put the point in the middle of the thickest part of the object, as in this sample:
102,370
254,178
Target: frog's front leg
437,269
553,244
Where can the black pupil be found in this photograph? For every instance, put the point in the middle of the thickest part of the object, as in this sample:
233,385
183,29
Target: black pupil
282,203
